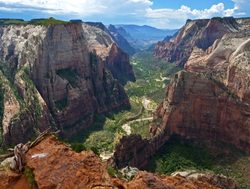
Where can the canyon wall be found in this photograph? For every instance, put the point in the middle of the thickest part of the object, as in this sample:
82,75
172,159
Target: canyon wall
58,76
195,33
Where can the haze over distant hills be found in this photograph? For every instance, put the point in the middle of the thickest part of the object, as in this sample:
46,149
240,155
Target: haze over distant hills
142,37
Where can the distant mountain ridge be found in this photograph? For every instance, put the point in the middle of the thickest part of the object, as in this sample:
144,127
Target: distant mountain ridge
142,37
121,41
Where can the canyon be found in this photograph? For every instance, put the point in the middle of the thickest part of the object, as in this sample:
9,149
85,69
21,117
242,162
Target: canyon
62,76
208,102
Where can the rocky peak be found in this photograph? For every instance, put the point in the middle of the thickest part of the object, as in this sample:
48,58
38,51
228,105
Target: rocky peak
70,69
120,40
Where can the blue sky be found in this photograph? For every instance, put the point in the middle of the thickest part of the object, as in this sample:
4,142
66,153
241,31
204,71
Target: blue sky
158,13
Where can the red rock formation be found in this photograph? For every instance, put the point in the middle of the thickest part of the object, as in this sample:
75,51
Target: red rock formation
149,181
203,110
210,102
55,165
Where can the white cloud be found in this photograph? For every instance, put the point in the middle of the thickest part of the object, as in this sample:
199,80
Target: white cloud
133,11
177,16
242,7
78,7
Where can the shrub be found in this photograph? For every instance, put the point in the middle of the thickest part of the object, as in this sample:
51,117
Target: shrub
28,173
78,147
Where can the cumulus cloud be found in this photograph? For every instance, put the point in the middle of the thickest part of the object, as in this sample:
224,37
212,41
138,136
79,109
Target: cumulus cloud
124,11
177,16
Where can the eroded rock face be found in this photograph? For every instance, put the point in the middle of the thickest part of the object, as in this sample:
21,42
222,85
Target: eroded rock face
99,40
196,33
62,75
203,110
55,165
210,101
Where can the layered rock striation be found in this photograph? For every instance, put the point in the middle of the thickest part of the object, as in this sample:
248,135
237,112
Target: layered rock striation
58,76
209,102
196,34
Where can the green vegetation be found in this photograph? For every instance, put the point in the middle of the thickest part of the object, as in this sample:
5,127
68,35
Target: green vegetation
77,147
61,104
29,103
46,22
69,74
32,100
100,141
12,22
113,172
141,128
181,156
9,73
152,76
175,156
42,21
28,173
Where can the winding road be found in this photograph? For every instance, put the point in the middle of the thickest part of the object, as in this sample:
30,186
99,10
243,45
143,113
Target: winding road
127,128
145,102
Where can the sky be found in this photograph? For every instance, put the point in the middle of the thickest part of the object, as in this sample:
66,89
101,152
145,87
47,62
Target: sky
169,14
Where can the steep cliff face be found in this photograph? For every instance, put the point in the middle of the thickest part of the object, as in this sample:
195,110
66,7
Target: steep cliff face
202,110
116,60
210,101
196,33
62,75
227,61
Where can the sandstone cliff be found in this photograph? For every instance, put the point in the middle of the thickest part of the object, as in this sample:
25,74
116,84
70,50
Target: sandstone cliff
209,102
59,76
196,33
